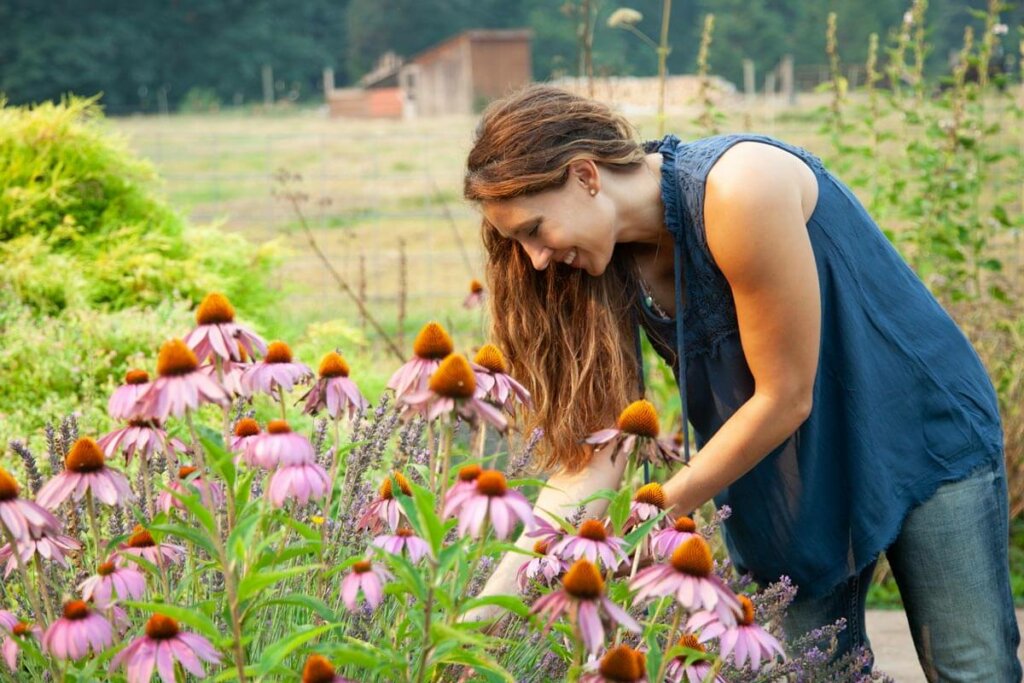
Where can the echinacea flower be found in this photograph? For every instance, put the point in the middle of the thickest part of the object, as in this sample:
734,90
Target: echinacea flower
210,492
301,481
142,437
180,385
403,540
545,568
162,644
142,544
318,669
465,479
489,499
14,632
741,642
368,577
668,539
276,372
636,433
243,436
582,598
690,577
431,346
697,672
476,295
80,630
493,379
620,664
279,446
85,469
19,516
334,390
452,388
592,541
385,509
112,582
47,545
648,502
217,333
122,403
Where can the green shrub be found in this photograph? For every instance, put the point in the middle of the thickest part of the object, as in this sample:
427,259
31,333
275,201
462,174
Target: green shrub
93,263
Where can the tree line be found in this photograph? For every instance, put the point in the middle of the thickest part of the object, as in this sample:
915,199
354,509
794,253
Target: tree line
150,54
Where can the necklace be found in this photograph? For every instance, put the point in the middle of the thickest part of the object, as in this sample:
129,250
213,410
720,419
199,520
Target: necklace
649,298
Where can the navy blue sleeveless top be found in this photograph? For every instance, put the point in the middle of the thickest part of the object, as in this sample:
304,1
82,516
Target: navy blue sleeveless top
902,403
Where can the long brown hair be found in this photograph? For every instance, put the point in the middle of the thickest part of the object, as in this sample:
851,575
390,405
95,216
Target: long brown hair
569,337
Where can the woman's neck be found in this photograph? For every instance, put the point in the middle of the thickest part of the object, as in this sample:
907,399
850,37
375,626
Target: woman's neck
640,213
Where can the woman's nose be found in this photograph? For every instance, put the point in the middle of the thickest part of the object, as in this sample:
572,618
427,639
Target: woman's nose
539,256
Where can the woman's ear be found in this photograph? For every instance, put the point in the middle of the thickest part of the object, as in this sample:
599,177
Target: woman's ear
584,173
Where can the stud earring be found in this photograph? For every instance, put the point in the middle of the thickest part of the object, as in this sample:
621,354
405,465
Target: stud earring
593,192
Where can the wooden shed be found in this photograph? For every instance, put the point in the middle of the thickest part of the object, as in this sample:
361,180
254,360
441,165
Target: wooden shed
463,73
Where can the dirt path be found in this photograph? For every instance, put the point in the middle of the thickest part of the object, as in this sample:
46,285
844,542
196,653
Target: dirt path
894,650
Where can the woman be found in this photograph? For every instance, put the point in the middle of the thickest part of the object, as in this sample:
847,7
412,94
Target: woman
837,408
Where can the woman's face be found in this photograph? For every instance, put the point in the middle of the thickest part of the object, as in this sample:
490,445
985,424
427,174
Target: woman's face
564,225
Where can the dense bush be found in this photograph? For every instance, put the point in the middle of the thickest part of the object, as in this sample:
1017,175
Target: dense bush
92,261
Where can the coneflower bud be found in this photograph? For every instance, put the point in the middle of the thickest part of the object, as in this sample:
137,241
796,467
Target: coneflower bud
594,529
278,352
540,547
491,357
403,484
693,556
247,427
475,287
362,566
75,610
432,342
176,359
106,569
470,472
652,494
318,670
333,365
453,378
491,483
183,472
136,377
748,610
21,629
583,580
685,525
624,664
160,627
8,486
278,427
404,532
85,456
640,418
215,310
140,538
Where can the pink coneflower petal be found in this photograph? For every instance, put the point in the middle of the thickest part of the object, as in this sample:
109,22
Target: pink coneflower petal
301,482
77,632
367,577
159,648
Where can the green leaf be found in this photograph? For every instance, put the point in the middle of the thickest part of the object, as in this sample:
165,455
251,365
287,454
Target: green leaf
188,533
277,651
618,511
314,605
254,582
192,500
509,602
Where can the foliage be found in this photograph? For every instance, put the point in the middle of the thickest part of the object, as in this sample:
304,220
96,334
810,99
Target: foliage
92,262
134,56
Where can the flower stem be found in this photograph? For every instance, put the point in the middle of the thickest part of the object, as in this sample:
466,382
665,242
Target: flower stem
16,552
43,592
90,506
445,453
671,639
284,412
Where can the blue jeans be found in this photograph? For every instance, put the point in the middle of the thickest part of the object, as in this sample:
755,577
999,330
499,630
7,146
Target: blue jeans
950,562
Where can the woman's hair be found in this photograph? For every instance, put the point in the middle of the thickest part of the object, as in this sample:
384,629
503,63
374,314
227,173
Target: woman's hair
569,337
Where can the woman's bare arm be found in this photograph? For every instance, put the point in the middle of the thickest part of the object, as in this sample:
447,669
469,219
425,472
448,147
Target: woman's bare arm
561,496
